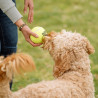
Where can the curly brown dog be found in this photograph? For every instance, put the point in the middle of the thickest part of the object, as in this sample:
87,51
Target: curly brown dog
73,78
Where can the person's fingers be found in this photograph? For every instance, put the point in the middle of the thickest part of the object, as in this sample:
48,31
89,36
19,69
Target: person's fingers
31,17
30,14
33,44
25,6
34,34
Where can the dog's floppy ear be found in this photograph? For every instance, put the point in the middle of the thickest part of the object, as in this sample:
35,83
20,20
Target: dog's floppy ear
5,69
89,47
63,63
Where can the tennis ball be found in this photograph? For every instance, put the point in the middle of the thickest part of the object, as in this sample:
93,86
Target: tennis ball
40,32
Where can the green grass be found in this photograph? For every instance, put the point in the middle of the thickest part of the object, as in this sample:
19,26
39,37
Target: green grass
54,15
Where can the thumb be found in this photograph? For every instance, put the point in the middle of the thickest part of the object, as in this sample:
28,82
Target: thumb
34,34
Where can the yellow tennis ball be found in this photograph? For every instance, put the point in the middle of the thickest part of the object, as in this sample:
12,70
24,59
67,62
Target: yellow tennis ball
40,32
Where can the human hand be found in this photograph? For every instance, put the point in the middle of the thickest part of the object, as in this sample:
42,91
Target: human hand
29,3
27,32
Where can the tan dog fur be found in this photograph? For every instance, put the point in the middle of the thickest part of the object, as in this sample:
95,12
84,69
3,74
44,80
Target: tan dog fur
73,78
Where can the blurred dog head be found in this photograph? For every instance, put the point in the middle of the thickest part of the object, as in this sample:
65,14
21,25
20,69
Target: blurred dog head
15,63
65,48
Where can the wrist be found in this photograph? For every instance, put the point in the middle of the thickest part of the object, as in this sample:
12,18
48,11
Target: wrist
21,27
19,22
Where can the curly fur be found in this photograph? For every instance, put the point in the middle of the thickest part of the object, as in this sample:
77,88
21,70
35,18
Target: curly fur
15,63
73,78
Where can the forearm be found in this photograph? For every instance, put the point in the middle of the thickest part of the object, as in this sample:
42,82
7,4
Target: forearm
8,7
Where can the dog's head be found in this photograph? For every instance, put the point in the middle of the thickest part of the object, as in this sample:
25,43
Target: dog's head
65,48
15,63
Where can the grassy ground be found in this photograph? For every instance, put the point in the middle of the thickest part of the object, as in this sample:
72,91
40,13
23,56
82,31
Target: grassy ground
55,15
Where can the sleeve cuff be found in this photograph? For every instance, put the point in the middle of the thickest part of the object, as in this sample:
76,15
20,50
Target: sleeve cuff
13,14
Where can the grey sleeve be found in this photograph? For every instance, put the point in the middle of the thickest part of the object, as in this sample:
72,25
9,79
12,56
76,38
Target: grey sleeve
8,7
